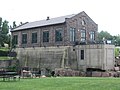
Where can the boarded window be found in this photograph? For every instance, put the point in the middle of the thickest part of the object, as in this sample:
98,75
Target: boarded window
82,54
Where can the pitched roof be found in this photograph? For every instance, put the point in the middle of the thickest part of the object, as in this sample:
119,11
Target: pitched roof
40,23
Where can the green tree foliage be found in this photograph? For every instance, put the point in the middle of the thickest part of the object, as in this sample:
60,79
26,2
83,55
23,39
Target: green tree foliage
0,31
0,23
4,29
116,52
105,35
116,40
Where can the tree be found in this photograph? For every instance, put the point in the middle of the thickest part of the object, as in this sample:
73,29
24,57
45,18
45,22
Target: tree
116,52
4,29
0,23
105,35
0,31
116,40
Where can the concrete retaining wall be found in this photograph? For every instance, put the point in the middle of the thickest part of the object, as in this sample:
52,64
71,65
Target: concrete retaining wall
95,56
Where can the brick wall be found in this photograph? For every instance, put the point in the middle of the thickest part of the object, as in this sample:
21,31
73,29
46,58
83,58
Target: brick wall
74,22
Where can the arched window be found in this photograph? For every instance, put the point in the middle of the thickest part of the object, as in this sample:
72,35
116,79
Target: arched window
83,22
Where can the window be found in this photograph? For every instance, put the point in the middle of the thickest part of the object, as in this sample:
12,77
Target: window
83,22
92,35
34,37
58,35
82,54
15,39
72,34
24,38
83,35
46,36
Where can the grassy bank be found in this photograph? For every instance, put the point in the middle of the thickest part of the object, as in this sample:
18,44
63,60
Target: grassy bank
5,58
4,50
63,83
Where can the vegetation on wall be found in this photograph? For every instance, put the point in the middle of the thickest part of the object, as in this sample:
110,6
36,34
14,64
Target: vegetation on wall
4,54
117,52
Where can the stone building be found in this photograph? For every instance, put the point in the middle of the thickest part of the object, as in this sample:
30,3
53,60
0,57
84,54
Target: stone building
62,42
62,31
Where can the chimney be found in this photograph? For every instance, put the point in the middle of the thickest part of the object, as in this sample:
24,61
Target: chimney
48,18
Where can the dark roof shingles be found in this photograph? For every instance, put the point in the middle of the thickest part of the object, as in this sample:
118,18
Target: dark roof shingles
44,22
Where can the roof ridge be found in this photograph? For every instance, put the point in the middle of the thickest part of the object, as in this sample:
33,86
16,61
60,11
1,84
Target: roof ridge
53,18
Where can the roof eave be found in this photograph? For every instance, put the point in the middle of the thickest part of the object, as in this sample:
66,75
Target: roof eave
36,27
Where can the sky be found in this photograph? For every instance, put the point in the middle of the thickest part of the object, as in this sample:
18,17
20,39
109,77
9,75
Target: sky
105,13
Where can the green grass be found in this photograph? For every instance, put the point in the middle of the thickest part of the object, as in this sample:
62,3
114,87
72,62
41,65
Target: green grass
4,49
5,58
63,83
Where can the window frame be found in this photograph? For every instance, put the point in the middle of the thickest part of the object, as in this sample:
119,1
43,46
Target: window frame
83,35
59,32
15,39
83,22
24,38
45,36
72,34
34,37
92,35
82,54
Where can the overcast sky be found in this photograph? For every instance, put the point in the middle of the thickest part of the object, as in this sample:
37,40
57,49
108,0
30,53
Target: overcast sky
105,13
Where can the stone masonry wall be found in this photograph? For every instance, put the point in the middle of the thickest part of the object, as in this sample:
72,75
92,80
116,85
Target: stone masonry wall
42,57
74,22
68,57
